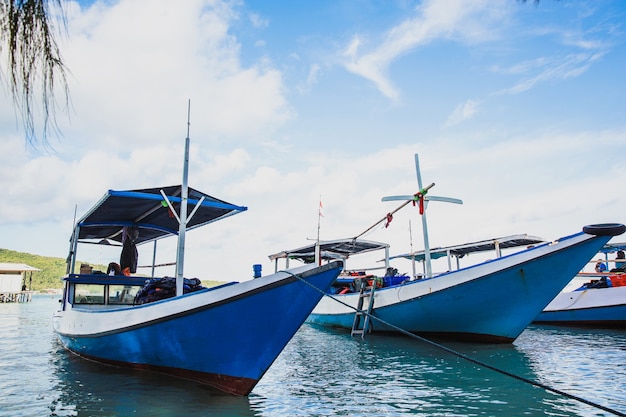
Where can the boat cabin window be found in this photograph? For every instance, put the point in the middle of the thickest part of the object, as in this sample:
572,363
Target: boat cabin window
123,294
105,294
89,294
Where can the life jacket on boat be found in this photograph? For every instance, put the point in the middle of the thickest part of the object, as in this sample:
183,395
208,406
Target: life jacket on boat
618,280
376,280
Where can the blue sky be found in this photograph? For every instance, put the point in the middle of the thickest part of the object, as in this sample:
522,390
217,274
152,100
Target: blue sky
517,108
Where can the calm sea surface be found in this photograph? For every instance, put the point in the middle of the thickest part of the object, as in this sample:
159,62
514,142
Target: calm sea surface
323,373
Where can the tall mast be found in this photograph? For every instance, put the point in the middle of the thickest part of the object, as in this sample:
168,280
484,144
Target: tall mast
411,247
318,255
180,254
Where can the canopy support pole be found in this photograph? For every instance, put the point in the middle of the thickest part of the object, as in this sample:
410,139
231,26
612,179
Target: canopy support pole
153,258
180,253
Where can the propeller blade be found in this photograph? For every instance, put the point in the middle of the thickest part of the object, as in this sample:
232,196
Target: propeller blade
426,198
398,197
444,199
417,172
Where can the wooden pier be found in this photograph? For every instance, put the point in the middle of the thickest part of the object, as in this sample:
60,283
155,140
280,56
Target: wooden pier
14,287
16,297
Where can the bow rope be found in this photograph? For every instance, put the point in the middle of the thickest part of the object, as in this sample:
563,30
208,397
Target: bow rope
463,356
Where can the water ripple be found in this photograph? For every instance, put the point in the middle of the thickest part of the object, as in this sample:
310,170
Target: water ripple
322,373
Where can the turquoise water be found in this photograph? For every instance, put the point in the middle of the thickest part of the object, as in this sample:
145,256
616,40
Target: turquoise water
323,373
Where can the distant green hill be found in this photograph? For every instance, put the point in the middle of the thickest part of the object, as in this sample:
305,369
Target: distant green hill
52,269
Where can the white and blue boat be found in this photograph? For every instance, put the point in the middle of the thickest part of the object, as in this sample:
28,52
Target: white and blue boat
597,300
225,337
491,301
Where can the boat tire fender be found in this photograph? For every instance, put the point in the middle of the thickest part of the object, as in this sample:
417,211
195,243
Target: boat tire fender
605,229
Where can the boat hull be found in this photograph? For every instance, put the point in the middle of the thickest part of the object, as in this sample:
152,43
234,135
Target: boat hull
226,338
598,307
490,302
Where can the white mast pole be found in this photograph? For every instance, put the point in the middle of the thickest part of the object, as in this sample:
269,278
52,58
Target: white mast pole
411,243
318,255
180,254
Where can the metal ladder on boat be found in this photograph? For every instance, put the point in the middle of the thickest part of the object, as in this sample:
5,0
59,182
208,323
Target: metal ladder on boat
361,324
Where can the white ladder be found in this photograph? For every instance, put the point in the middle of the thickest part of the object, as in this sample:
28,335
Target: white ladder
361,324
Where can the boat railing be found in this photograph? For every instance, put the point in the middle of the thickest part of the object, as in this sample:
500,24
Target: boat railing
598,274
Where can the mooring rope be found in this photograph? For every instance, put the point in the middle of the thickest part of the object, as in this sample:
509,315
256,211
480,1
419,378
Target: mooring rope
465,357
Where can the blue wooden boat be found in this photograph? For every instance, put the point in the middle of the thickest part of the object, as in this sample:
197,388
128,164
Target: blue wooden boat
598,299
225,337
491,301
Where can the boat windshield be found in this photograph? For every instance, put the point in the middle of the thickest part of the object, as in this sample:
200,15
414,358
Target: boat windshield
114,294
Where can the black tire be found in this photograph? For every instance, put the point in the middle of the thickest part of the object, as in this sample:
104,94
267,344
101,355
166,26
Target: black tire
605,229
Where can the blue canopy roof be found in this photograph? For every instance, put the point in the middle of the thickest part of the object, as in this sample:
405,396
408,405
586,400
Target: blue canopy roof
147,210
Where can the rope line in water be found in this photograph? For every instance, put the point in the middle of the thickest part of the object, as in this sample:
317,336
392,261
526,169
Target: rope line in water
465,357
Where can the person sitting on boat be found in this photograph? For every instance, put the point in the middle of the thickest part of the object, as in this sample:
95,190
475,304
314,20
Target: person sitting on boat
619,266
114,269
128,258
600,267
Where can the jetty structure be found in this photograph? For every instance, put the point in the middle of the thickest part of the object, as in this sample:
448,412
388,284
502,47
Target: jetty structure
13,282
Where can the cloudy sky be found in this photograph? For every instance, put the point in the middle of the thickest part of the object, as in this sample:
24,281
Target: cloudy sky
517,108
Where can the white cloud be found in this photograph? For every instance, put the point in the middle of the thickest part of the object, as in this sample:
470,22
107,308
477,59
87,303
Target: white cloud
134,67
516,186
463,112
258,21
457,20
311,79
143,60
546,69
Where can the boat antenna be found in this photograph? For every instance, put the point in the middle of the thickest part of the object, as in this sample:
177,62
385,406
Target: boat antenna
182,227
411,247
318,255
